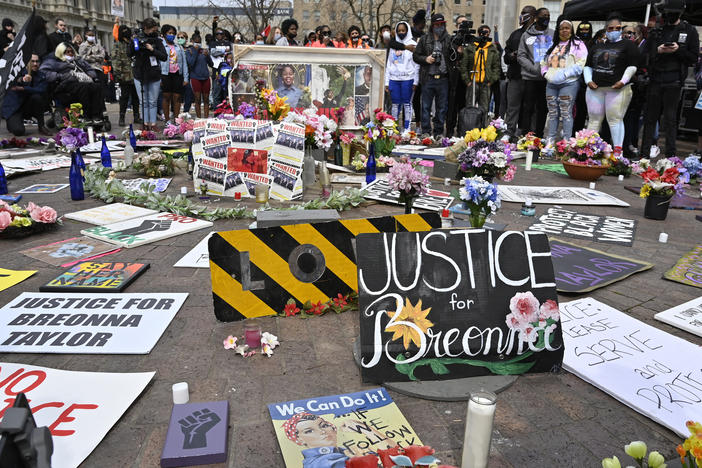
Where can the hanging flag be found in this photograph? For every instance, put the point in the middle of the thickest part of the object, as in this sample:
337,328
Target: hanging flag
16,57
266,31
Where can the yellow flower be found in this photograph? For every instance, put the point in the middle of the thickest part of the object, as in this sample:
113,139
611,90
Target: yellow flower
472,135
656,460
21,221
611,463
645,191
636,450
489,133
410,314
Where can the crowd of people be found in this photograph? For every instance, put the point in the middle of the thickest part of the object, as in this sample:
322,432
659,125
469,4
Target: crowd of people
619,80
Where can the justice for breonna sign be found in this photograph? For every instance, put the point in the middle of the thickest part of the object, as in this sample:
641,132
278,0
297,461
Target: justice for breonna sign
449,304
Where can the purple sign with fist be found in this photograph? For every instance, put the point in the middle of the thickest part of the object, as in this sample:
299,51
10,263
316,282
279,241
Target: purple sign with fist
197,434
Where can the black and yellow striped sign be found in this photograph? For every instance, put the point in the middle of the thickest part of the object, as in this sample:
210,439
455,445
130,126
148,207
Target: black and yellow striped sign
256,271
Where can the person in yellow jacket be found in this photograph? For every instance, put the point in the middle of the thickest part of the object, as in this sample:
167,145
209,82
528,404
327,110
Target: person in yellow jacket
481,60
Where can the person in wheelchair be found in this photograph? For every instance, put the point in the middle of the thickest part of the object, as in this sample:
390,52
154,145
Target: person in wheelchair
71,80
26,98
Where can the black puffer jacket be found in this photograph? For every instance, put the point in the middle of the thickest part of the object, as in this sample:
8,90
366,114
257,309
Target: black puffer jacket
56,70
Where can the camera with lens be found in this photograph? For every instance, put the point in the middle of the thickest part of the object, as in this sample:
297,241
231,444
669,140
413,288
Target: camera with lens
139,39
465,34
437,58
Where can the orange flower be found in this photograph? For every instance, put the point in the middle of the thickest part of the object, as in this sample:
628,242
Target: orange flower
681,451
410,314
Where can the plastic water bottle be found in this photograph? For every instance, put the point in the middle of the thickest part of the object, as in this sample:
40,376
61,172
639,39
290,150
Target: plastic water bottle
370,164
132,137
75,178
105,157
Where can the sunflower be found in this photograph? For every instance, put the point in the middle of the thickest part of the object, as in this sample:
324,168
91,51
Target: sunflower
413,314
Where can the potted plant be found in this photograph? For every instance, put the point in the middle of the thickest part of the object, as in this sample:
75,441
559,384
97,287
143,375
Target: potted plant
409,181
585,156
485,156
478,196
662,180
531,144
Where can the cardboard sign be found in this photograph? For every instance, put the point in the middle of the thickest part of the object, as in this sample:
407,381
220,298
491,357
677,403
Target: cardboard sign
580,269
39,164
147,229
108,214
79,408
687,270
155,185
9,278
460,303
256,271
85,323
43,188
687,316
557,195
605,229
198,257
96,277
652,372
286,179
70,250
433,200
197,434
355,424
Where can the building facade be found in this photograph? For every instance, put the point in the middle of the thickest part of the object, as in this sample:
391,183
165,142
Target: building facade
79,14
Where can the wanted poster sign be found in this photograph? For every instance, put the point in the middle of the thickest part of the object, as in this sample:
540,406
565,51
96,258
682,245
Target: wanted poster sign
199,130
79,408
233,183
605,229
86,323
242,133
290,143
286,181
215,146
212,172
215,126
264,134
252,180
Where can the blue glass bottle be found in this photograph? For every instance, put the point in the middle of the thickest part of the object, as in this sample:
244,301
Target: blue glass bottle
80,162
75,179
370,163
3,181
132,137
105,157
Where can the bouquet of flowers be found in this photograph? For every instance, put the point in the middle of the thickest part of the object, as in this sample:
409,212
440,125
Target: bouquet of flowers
480,197
485,157
381,162
15,219
664,178
183,123
530,142
223,109
619,165
318,128
500,127
693,164
586,148
267,99
71,138
410,182
73,114
155,163
380,131
247,110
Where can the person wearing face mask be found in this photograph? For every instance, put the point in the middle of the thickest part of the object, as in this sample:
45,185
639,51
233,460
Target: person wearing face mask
26,98
355,41
182,41
60,35
122,70
274,36
515,85
608,73
147,70
480,68
638,98
584,33
533,45
289,31
401,76
384,35
199,61
670,49
258,40
93,53
432,53
174,73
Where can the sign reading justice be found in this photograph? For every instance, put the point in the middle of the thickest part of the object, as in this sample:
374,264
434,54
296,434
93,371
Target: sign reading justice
444,305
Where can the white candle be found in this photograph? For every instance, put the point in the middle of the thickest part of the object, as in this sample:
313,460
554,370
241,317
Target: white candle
529,158
91,135
478,432
447,181
592,186
184,190
620,178
180,393
663,237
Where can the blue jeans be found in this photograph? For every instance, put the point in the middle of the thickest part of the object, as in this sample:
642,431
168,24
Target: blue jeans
149,100
401,97
434,89
560,99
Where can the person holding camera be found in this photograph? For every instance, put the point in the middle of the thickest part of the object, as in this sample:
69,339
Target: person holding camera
431,54
148,53
515,85
199,61
122,70
174,73
671,50
457,88
480,68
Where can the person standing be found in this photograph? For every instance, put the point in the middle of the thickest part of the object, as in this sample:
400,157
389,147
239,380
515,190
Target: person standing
533,44
610,67
515,85
355,41
584,33
401,76
457,88
94,54
174,73
60,35
122,70
632,118
147,70
289,30
671,50
199,60
562,68
480,64
432,54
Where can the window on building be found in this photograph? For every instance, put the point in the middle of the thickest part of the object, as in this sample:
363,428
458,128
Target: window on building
306,15
469,3
457,2
317,14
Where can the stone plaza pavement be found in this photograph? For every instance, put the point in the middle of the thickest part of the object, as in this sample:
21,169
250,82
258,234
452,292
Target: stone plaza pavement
543,420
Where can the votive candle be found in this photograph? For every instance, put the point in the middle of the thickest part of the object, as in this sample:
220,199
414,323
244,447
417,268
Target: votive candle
663,237
592,186
261,193
620,178
184,190
478,433
529,159
252,334
181,394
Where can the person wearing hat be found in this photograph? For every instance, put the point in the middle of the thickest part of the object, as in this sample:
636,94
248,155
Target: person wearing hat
432,54
7,34
419,22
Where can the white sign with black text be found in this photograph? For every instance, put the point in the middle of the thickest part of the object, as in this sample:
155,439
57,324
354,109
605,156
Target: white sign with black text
687,316
198,257
606,229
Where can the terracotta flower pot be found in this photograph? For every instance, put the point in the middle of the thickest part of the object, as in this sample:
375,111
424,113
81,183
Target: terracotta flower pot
582,172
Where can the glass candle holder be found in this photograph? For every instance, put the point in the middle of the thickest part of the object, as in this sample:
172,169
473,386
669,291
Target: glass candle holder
252,334
478,434
261,193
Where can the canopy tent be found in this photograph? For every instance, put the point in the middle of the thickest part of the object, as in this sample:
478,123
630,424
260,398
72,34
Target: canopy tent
631,10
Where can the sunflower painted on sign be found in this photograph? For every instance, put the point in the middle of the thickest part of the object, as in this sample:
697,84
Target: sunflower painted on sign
409,314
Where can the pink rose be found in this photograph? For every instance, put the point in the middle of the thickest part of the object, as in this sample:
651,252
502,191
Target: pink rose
525,307
3,204
44,214
31,207
549,310
5,220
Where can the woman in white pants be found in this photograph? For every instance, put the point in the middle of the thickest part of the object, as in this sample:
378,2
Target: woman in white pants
608,72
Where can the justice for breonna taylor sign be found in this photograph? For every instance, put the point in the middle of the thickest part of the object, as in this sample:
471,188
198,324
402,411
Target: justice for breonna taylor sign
462,303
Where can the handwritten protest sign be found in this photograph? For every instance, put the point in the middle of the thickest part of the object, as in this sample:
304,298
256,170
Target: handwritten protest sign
433,200
605,229
580,269
343,426
77,407
687,316
653,372
96,277
86,323
687,270
438,305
